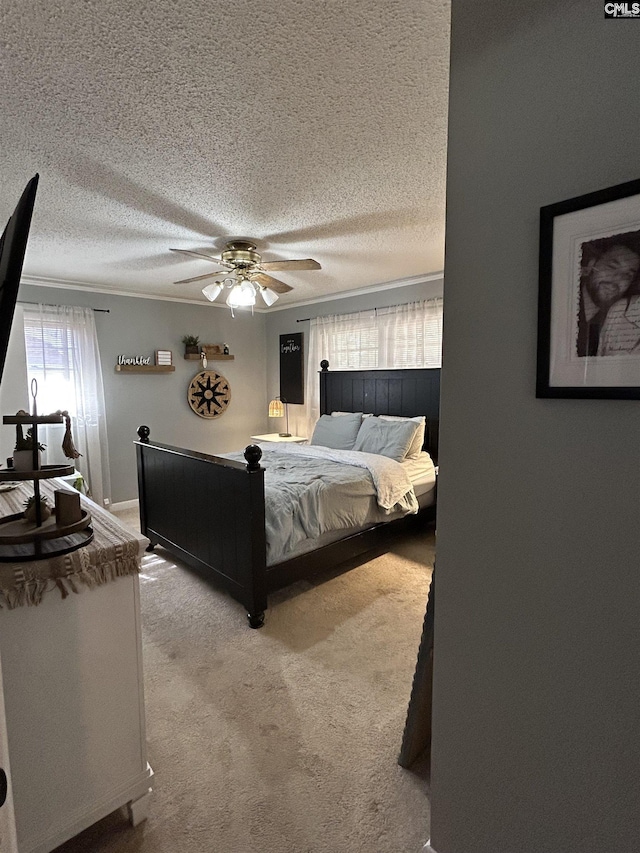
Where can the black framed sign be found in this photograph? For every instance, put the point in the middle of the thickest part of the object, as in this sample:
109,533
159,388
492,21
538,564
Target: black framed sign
292,368
589,296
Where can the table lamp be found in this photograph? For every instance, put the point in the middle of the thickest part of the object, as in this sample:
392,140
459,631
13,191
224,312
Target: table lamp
278,409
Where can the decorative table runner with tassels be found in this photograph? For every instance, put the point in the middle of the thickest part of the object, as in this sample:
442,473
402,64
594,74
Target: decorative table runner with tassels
113,553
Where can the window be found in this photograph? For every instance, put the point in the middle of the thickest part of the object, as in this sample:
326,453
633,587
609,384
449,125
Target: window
353,346
51,360
62,355
401,336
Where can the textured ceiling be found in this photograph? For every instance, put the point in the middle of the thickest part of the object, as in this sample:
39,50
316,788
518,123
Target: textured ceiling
316,128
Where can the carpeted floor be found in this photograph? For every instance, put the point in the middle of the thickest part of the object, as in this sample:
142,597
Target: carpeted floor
285,739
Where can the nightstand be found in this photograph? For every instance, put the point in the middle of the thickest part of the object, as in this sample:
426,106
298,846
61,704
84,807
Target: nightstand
274,436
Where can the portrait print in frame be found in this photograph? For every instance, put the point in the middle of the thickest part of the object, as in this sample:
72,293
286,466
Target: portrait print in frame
589,296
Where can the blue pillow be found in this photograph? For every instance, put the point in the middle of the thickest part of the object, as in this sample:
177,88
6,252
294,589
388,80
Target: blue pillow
387,438
418,439
337,433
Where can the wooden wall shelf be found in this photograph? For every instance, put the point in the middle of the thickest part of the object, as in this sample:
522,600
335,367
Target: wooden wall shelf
145,368
217,357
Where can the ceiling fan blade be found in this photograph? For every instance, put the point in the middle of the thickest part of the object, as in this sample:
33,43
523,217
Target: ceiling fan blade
302,264
200,277
218,261
268,281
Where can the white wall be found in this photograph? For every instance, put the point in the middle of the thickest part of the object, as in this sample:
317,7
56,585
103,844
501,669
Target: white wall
139,327
537,637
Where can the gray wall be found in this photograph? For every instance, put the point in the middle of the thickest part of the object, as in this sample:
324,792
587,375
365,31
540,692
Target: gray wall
136,326
285,322
536,691
139,327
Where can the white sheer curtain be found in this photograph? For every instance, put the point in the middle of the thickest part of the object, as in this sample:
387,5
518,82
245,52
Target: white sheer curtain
62,354
407,335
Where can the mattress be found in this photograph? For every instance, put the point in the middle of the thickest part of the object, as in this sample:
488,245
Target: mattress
421,472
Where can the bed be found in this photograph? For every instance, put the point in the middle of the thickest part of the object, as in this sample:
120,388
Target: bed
210,511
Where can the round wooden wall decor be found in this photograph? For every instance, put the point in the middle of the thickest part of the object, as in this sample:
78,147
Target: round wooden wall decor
209,394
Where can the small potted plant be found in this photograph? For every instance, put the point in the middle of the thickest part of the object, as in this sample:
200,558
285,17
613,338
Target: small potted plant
191,345
23,451
30,509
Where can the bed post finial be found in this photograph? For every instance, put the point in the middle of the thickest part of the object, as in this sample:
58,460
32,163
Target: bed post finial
143,433
324,364
253,455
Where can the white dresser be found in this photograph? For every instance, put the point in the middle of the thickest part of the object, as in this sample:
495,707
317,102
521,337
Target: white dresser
74,709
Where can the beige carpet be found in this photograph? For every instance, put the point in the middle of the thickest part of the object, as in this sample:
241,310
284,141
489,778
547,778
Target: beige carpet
285,739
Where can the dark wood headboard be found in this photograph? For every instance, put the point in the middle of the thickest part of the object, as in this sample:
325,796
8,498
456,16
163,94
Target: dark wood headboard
406,393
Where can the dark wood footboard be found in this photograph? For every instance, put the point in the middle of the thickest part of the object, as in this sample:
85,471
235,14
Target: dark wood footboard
209,512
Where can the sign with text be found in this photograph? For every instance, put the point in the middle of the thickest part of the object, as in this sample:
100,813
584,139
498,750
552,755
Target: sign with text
292,368
137,360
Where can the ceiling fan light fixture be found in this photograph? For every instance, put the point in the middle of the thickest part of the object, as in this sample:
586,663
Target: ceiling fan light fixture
246,275
269,296
212,291
242,296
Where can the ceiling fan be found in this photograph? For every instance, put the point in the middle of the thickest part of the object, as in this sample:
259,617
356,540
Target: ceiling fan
245,274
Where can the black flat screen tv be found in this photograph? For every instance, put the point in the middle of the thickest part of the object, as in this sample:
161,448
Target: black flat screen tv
13,245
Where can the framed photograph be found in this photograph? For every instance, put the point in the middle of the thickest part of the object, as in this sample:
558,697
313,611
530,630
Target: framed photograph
589,296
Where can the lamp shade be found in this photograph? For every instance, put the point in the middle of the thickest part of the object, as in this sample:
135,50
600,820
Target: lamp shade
211,291
276,408
242,295
269,296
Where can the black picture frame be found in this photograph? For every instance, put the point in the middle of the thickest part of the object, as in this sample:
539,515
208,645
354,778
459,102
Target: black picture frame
589,296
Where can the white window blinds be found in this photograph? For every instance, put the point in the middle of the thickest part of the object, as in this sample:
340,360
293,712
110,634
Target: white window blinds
52,360
401,336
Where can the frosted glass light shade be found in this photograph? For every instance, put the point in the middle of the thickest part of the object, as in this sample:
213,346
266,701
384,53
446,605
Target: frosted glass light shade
242,295
269,296
276,409
211,291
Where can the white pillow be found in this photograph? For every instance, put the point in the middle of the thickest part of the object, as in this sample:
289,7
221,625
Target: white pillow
340,414
337,433
418,439
385,437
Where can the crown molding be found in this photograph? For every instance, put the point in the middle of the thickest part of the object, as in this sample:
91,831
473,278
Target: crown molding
361,291
67,284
